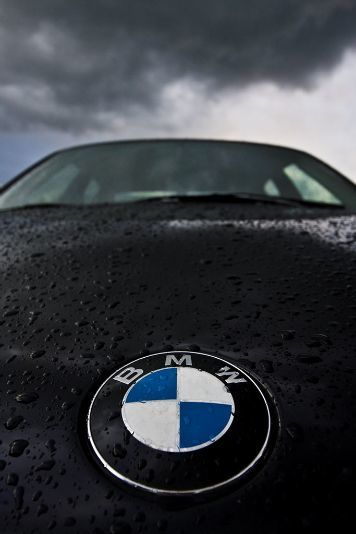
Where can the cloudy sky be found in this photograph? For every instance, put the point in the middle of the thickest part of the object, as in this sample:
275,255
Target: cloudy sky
282,71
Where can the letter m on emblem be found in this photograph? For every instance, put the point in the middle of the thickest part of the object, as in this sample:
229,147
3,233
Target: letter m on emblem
178,360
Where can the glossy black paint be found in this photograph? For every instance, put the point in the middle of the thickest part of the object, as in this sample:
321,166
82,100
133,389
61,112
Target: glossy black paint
85,290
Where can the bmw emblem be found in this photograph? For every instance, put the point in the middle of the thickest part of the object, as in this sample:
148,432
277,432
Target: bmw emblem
179,423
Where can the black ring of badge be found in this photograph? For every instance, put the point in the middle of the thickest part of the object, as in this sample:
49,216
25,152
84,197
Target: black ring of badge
180,473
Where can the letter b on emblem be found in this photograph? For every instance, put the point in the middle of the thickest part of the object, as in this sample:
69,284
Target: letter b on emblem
128,375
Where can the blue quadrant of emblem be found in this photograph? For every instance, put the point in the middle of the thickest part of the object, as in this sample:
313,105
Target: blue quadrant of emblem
160,385
201,422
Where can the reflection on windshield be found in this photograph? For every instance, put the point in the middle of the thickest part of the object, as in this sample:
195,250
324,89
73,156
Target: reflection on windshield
130,171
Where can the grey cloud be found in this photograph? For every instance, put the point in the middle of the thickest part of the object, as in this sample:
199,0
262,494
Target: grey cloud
71,65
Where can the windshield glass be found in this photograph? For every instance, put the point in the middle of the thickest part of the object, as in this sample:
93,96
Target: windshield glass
138,170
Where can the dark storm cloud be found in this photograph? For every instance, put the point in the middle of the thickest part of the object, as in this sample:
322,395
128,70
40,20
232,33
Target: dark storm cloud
72,65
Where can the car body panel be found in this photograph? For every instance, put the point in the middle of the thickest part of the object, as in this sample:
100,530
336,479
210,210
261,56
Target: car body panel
85,290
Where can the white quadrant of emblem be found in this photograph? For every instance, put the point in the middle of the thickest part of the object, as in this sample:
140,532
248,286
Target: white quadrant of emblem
178,409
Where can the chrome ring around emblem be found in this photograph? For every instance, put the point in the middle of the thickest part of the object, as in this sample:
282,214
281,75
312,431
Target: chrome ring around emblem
174,413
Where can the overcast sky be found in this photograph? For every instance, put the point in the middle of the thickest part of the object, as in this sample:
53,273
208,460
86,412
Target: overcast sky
282,71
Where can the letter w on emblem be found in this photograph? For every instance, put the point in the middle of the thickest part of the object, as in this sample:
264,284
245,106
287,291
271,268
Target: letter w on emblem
233,376
171,358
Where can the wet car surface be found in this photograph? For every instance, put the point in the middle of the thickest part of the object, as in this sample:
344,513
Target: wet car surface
85,290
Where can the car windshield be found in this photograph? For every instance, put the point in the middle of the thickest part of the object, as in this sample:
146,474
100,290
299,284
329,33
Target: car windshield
138,170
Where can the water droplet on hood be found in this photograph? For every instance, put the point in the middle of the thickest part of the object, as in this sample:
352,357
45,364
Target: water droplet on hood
13,422
17,447
26,398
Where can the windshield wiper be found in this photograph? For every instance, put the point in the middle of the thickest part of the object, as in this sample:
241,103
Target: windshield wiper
227,198
218,197
44,205
238,198
315,203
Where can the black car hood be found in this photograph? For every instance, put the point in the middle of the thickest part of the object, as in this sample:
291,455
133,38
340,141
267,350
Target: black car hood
85,290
